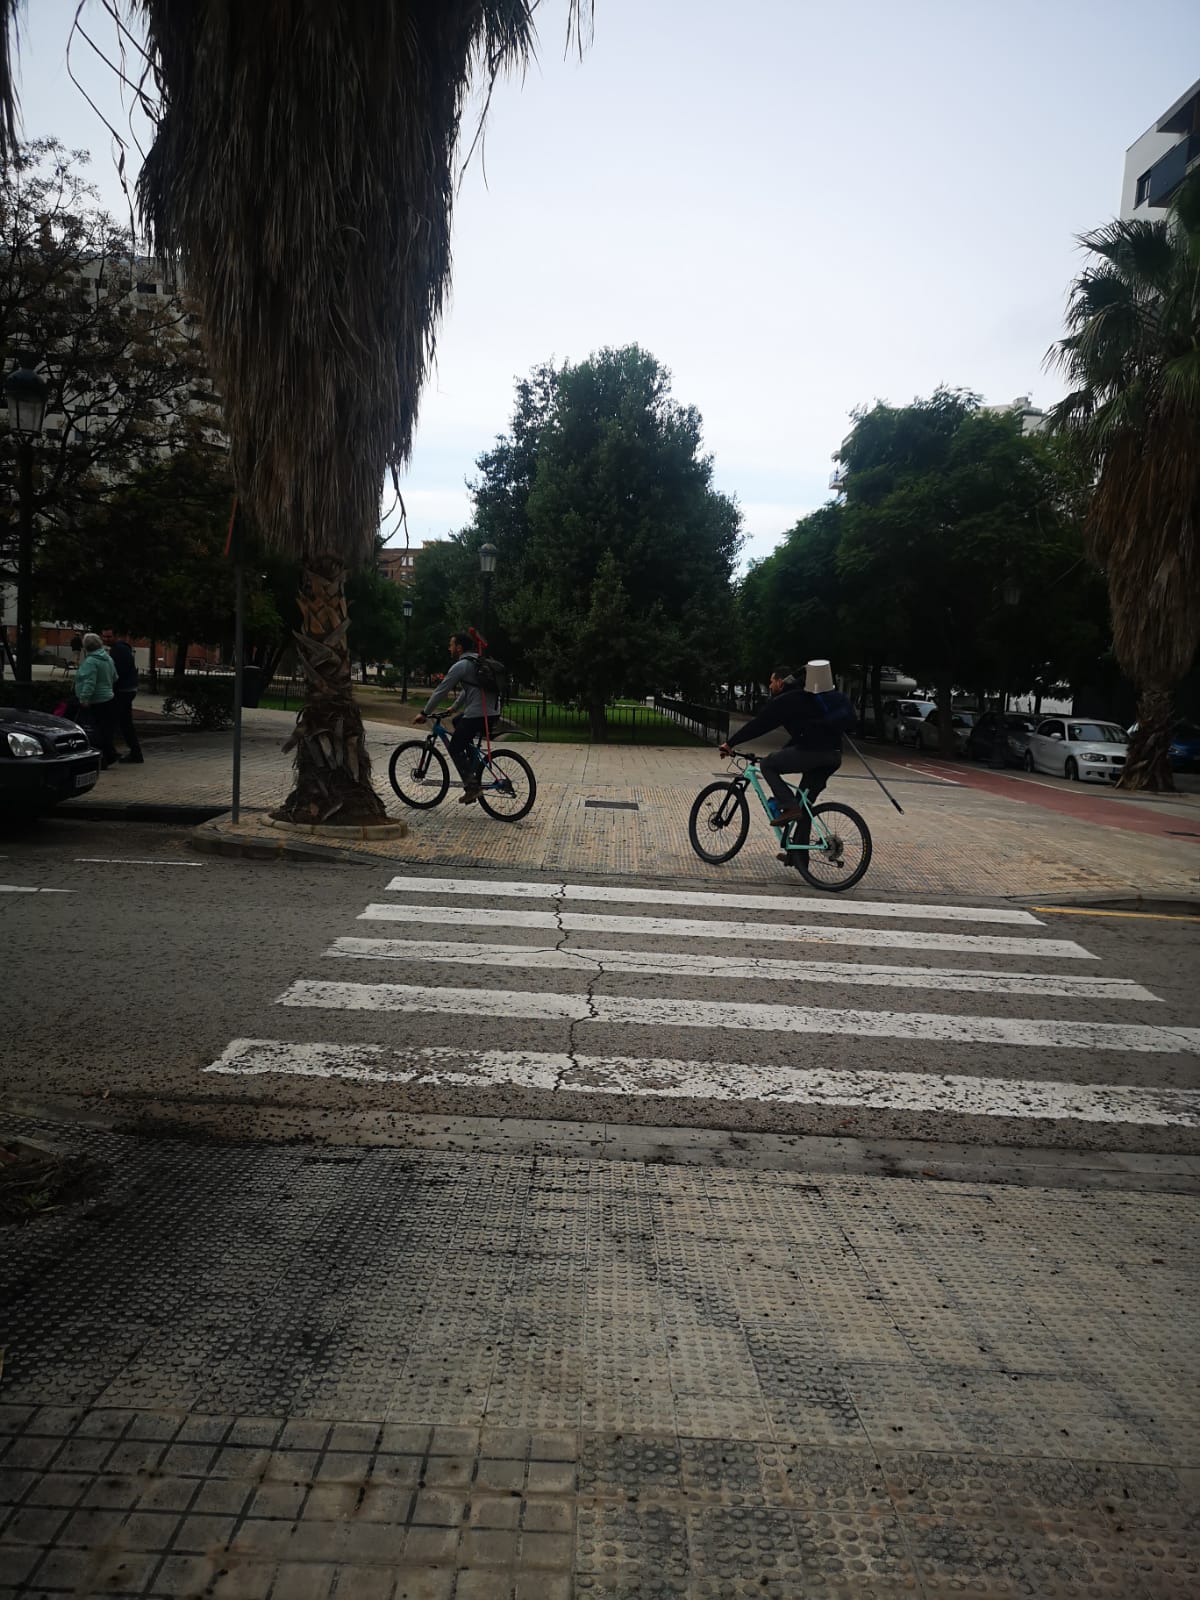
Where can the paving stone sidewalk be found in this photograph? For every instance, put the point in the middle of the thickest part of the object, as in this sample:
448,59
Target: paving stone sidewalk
285,1372
950,841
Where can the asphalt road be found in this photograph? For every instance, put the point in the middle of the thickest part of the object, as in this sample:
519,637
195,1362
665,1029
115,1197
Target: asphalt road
138,966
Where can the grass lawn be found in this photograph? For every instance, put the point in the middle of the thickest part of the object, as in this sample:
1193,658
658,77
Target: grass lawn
629,721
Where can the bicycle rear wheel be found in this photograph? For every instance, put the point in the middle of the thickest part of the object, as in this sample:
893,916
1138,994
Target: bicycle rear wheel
509,786
419,774
846,855
719,822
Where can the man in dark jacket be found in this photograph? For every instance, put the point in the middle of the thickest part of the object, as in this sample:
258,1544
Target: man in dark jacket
124,692
813,749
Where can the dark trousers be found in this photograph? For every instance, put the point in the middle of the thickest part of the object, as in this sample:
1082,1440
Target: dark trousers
100,722
466,731
815,767
123,700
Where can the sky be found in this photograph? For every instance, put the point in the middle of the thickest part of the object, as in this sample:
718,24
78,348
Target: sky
798,206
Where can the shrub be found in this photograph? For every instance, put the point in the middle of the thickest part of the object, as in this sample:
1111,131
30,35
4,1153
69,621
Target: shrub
45,694
206,704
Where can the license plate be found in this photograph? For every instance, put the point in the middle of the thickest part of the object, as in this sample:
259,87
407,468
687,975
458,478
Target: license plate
85,780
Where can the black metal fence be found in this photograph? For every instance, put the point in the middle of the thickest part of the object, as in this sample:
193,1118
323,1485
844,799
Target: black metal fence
710,723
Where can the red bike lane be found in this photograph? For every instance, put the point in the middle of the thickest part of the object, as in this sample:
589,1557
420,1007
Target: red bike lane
1082,802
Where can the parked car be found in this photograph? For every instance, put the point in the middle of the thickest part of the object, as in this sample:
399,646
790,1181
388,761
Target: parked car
1077,747
929,733
1184,753
43,759
982,737
903,718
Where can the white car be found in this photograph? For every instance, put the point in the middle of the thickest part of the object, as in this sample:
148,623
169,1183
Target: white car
929,734
1075,747
902,719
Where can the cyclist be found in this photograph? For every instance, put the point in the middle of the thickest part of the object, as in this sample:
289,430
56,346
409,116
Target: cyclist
477,708
814,747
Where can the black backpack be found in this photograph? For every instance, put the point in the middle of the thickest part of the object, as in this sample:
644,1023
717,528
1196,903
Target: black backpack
839,712
490,676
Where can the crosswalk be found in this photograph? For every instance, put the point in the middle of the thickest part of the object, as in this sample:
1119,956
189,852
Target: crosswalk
580,998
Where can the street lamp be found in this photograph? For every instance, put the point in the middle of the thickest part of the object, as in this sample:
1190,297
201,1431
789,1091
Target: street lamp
407,608
487,565
26,394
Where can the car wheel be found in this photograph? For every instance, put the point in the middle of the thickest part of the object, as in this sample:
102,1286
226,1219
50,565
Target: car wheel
1028,762
1071,770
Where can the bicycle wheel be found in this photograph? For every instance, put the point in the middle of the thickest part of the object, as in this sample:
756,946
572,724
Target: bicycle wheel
847,855
509,786
419,774
719,822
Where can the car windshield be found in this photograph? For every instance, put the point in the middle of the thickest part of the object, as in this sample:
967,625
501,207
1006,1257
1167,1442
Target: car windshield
1021,724
1096,733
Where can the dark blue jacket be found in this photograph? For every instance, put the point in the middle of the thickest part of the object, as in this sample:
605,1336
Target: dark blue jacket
803,716
126,665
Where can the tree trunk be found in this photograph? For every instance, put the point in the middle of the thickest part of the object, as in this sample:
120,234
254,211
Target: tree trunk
945,702
179,677
877,699
1148,764
597,722
333,769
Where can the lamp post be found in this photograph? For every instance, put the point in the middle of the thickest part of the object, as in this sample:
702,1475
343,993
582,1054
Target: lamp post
26,394
487,565
407,608
1010,596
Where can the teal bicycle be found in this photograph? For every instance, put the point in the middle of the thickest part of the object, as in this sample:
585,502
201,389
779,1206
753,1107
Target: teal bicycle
832,852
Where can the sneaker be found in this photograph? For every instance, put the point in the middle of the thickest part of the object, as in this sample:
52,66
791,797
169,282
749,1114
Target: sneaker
470,795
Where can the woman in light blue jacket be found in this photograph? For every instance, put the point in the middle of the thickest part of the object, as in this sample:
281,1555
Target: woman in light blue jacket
94,691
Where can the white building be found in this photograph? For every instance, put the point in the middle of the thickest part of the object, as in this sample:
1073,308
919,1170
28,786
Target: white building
1157,163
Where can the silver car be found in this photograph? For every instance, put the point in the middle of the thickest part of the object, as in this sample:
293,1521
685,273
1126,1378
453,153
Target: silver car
1075,747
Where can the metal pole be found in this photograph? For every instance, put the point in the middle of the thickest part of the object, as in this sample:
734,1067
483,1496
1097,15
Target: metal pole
25,579
238,666
404,684
487,604
874,774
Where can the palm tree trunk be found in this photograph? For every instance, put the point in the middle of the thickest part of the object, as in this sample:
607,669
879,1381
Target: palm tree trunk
333,769
1148,764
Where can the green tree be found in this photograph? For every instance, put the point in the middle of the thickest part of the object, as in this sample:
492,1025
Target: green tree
948,509
303,169
1132,354
376,607
621,501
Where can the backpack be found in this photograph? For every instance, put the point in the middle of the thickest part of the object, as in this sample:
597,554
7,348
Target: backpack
490,676
839,712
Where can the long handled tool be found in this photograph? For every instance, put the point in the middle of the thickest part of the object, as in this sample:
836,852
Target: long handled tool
874,774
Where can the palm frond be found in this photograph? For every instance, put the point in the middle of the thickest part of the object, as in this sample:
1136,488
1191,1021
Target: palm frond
10,102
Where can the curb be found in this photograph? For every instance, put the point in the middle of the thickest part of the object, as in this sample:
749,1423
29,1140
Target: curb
245,848
143,811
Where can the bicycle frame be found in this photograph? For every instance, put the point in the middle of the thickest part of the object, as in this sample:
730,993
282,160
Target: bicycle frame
749,775
438,731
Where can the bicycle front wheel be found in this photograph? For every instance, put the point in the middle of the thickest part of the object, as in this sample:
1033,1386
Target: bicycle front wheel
419,774
840,861
509,786
719,822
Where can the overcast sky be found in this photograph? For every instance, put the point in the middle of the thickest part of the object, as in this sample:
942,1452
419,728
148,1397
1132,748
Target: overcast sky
798,207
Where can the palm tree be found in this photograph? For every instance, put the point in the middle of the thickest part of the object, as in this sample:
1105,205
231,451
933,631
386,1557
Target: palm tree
302,172
1132,353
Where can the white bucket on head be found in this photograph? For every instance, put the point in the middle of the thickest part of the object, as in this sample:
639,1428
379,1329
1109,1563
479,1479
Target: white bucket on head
818,677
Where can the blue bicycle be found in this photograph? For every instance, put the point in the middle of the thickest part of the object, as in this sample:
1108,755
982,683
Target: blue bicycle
831,852
420,775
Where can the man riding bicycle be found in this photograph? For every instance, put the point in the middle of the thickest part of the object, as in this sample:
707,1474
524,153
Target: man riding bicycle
814,717
477,706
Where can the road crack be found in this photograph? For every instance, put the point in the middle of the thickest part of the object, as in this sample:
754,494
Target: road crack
559,900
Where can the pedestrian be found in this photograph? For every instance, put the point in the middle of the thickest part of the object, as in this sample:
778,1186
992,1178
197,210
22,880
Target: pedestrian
124,692
94,692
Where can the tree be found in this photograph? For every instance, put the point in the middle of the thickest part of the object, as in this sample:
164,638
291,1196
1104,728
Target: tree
151,560
947,508
303,171
1132,352
376,607
121,360
621,502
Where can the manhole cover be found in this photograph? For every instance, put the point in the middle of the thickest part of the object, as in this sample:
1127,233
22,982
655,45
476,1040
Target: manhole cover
613,805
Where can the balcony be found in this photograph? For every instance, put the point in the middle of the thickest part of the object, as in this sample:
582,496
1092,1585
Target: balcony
1169,171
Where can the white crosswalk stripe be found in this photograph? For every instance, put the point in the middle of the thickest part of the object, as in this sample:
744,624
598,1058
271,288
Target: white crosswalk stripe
740,932
580,971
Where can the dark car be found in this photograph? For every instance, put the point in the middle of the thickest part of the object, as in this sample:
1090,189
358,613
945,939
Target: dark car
1017,729
43,760
1184,752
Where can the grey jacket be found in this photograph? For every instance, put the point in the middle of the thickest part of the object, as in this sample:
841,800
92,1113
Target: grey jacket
461,677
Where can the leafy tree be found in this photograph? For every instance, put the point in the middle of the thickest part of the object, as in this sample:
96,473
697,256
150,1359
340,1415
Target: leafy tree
376,607
303,168
1132,352
621,503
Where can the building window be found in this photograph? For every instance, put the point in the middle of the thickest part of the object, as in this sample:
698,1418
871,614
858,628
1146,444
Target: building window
147,288
1143,189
